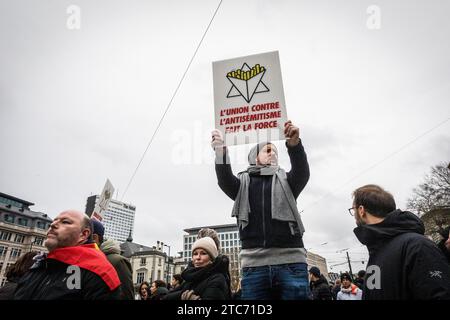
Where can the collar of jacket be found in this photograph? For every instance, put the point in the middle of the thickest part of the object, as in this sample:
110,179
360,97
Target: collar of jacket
193,274
397,222
87,256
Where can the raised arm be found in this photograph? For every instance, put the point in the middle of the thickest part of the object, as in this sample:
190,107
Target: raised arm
299,175
227,181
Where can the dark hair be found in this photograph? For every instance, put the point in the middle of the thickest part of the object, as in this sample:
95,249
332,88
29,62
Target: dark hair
140,287
22,265
160,283
178,278
346,275
361,273
374,199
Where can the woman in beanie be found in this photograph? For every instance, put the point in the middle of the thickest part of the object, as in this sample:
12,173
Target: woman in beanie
206,277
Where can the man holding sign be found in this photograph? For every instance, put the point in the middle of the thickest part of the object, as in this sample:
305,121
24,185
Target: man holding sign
273,257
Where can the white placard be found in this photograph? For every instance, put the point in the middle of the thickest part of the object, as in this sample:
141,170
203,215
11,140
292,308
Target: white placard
249,99
103,202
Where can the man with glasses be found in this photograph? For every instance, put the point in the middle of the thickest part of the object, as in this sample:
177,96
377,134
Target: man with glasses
403,264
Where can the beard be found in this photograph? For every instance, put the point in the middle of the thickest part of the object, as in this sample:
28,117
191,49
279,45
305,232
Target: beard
60,242
359,222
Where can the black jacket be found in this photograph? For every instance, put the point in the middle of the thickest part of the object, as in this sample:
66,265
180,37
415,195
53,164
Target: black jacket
320,289
410,265
48,280
444,250
210,282
263,231
441,245
359,283
7,291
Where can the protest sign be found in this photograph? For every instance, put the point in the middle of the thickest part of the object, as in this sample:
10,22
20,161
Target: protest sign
249,99
103,201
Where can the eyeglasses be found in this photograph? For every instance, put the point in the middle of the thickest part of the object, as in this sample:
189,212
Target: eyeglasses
351,211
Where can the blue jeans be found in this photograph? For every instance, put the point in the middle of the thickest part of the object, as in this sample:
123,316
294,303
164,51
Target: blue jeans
276,282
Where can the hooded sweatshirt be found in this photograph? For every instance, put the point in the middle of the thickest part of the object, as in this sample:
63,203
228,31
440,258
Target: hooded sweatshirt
403,263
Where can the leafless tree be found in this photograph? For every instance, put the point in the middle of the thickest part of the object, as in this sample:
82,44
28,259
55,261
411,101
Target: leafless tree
434,193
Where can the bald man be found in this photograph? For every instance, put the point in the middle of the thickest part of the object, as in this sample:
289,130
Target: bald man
74,268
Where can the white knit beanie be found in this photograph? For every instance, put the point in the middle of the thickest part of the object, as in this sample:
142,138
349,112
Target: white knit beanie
208,245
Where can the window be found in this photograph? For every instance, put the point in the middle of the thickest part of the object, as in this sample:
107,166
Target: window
159,263
15,253
19,238
39,241
3,251
226,236
23,222
140,277
159,275
9,218
5,236
41,225
3,282
143,263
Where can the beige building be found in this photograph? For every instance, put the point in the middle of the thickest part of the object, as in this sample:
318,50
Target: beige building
21,230
436,220
149,263
314,260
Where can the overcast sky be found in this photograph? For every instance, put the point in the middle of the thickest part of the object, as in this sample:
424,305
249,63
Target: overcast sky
78,106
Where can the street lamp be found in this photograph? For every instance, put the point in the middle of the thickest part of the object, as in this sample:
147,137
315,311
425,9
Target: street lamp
168,264
34,241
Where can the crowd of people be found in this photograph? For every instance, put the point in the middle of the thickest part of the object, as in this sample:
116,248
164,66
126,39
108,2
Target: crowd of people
403,263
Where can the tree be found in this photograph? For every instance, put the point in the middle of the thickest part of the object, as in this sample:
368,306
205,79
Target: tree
434,193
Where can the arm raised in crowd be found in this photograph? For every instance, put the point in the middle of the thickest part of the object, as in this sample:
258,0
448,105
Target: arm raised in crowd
299,175
227,181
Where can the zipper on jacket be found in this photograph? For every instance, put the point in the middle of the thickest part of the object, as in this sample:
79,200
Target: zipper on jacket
263,214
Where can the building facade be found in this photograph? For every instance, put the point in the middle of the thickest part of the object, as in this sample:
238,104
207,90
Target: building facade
149,263
118,219
315,260
21,230
230,245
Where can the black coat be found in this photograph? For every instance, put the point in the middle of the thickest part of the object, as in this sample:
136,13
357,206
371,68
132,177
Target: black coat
441,245
7,291
211,282
263,231
320,289
47,280
410,265
444,250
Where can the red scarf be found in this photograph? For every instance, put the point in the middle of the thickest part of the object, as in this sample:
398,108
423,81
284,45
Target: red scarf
89,257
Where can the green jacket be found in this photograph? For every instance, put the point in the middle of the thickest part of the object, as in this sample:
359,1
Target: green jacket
111,249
